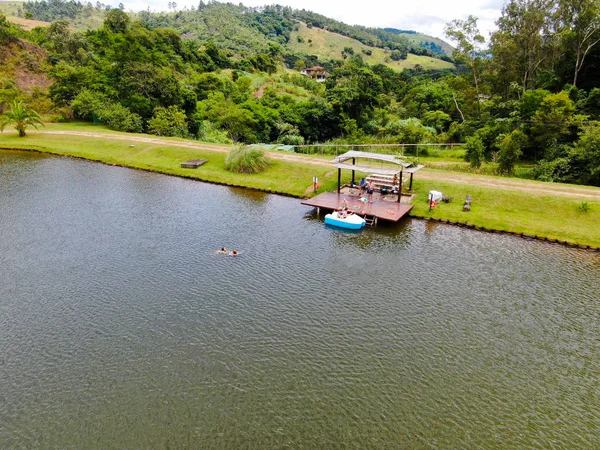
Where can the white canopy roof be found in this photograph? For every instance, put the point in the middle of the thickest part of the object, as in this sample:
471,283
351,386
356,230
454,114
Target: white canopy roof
341,163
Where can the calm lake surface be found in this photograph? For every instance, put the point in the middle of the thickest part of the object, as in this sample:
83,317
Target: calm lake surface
121,328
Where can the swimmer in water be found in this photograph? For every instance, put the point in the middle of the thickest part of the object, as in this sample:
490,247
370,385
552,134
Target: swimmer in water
223,251
233,253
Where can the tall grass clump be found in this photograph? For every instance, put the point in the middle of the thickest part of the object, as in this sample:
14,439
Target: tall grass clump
246,160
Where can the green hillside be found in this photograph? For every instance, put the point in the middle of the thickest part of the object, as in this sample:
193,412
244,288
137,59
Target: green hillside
82,18
327,45
423,40
246,31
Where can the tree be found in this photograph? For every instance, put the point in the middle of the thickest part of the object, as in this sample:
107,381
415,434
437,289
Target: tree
468,44
475,151
520,43
237,121
510,151
20,116
354,89
437,119
554,119
585,157
117,21
580,28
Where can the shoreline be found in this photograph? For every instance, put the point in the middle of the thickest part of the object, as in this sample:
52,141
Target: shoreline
412,215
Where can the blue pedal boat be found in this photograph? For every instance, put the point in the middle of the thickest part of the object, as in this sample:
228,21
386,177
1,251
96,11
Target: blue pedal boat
350,222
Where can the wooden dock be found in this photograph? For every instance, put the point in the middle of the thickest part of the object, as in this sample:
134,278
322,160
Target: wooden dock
380,209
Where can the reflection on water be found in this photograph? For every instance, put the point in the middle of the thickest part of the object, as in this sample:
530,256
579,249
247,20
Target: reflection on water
121,327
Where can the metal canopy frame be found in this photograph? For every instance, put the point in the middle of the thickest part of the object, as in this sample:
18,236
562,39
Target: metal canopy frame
340,163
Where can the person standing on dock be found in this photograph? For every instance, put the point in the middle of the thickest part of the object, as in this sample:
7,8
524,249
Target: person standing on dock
370,190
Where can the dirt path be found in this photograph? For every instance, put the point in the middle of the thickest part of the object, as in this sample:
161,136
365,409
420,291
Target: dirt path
581,192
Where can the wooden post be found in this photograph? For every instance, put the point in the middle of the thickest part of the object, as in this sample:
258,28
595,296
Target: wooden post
400,188
411,177
339,179
353,163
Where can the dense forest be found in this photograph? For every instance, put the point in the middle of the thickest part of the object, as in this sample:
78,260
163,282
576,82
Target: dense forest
531,93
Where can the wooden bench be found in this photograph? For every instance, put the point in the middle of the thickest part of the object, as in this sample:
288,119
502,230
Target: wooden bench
385,180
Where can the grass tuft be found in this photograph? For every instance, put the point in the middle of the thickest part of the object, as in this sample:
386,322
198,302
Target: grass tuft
246,160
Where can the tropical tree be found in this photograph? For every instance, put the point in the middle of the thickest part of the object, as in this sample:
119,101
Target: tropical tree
20,116
468,45
580,28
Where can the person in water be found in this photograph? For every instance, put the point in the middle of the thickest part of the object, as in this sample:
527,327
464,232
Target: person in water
223,251
233,253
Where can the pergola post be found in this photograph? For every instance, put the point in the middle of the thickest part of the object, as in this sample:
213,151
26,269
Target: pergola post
339,179
400,188
411,177
353,163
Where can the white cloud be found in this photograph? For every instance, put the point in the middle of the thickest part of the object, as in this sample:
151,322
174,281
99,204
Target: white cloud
426,16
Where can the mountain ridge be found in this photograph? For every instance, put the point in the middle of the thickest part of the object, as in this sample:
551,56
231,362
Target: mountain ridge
243,30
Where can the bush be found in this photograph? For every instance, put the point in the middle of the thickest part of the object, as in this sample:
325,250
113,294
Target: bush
475,151
397,55
291,139
554,171
583,207
169,121
510,151
246,160
88,103
120,118
208,132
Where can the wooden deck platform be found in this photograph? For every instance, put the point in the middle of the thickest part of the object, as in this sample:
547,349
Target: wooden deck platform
380,208
193,163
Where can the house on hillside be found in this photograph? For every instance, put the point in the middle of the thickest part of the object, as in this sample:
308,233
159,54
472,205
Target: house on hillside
317,73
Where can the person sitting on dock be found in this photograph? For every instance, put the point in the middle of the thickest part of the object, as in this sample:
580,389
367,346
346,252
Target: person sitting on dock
223,251
362,184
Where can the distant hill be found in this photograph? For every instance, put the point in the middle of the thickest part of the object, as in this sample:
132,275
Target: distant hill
327,45
435,44
243,31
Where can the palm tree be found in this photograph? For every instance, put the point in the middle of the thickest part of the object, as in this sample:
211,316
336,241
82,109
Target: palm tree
20,116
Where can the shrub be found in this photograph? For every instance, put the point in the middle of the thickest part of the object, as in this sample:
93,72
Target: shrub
475,151
88,103
554,171
397,55
246,160
120,118
208,132
291,139
510,151
583,207
169,121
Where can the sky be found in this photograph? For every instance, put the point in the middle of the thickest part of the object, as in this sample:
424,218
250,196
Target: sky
425,16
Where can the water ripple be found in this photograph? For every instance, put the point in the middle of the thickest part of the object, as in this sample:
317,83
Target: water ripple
121,327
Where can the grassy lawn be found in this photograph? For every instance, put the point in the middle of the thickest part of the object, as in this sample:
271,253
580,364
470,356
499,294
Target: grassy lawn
287,178
539,214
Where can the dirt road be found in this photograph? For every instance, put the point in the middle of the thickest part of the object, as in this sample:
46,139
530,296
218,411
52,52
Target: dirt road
581,192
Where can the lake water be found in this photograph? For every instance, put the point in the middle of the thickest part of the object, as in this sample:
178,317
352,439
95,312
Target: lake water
121,328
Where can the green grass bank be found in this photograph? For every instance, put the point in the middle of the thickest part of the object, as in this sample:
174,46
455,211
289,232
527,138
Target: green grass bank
571,218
